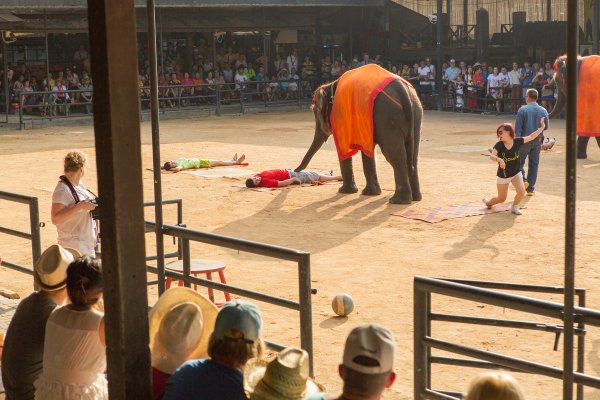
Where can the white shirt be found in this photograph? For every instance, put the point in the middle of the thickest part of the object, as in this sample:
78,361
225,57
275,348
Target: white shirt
79,230
424,71
494,80
292,62
514,77
239,80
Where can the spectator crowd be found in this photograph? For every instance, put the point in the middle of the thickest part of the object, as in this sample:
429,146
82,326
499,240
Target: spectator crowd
235,73
55,347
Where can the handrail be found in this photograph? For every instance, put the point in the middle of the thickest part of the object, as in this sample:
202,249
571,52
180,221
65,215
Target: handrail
34,226
481,292
302,258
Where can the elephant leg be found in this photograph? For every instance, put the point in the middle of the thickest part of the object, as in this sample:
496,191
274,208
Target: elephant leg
582,142
414,184
598,140
370,170
398,161
348,176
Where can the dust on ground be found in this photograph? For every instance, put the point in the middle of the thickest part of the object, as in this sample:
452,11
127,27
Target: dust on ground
356,245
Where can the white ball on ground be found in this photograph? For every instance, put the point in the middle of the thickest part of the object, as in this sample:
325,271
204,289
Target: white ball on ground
342,304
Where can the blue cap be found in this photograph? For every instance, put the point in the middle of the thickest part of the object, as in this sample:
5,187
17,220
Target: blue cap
241,316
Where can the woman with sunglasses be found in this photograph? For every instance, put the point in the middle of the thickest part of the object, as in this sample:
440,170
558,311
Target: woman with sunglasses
506,154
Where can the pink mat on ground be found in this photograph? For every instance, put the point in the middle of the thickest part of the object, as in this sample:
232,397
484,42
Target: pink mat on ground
438,214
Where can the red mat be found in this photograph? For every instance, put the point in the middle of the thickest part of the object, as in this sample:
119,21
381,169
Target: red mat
442,213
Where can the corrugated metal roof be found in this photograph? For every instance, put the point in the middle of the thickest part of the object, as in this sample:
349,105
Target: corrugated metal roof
82,4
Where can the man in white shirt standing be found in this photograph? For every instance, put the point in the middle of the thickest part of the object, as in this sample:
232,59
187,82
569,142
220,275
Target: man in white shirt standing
292,60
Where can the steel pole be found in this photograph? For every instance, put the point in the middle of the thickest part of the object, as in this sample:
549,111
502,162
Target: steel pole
158,211
5,75
306,333
46,48
595,26
438,70
570,198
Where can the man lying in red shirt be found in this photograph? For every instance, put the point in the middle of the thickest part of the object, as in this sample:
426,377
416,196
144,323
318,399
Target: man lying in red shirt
286,177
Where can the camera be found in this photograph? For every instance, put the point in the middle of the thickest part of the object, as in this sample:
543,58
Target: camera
96,211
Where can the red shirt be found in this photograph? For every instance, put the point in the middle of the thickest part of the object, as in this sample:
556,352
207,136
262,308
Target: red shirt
272,177
159,383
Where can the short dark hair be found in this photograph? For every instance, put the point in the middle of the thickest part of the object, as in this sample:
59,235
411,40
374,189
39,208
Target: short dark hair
361,384
168,166
250,183
83,275
532,93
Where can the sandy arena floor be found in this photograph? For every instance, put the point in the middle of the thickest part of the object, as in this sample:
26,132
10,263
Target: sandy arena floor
356,245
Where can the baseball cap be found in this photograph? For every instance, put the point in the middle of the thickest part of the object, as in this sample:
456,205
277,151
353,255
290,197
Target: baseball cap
241,316
375,342
453,60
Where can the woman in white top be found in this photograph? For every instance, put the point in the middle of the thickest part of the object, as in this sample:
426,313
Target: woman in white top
74,346
71,211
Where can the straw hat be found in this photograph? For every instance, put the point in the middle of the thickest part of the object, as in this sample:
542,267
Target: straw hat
181,322
284,378
50,270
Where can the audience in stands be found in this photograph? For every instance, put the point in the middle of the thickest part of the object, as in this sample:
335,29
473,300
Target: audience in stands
494,386
74,346
24,341
367,368
72,206
235,340
181,322
504,92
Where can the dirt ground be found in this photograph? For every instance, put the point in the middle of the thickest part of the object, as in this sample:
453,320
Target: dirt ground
356,245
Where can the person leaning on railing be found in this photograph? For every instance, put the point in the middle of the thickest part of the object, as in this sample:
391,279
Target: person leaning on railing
60,97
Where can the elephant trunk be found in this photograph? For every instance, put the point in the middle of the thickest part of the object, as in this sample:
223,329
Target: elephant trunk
558,107
314,147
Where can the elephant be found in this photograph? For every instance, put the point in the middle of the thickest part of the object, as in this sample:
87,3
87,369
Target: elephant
396,127
560,77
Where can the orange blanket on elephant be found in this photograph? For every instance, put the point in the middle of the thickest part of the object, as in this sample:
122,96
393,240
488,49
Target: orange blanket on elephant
352,111
588,97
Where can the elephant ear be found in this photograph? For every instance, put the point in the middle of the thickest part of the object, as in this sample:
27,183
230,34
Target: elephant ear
560,68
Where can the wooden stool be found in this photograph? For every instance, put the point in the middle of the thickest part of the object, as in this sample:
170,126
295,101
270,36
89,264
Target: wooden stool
200,266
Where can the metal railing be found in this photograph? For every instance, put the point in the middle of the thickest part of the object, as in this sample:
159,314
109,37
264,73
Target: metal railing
472,98
480,292
213,98
34,225
302,258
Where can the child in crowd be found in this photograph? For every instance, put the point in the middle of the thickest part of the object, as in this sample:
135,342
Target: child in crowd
495,386
506,154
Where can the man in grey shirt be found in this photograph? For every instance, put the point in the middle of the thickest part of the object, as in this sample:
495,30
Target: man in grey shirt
24,343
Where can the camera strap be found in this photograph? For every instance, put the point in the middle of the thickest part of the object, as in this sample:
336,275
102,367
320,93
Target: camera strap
67,182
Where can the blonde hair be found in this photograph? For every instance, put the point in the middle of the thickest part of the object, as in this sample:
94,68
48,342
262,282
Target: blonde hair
74,161
495,386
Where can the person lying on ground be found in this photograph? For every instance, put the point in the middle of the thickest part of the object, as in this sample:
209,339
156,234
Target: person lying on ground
287,177
506,154
194,163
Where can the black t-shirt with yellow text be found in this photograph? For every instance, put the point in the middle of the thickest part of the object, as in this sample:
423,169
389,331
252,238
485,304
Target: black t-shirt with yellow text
510,157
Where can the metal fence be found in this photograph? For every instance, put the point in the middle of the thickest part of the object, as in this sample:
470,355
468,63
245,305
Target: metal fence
469,98
33,235
478,291
302,258
215,98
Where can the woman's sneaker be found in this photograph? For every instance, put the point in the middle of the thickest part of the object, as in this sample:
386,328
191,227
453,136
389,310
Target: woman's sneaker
486,201
515,210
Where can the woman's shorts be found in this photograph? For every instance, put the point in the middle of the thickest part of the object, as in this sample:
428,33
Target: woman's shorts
506,181
305,176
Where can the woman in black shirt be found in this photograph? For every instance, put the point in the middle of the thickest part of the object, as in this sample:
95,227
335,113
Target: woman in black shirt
506,154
